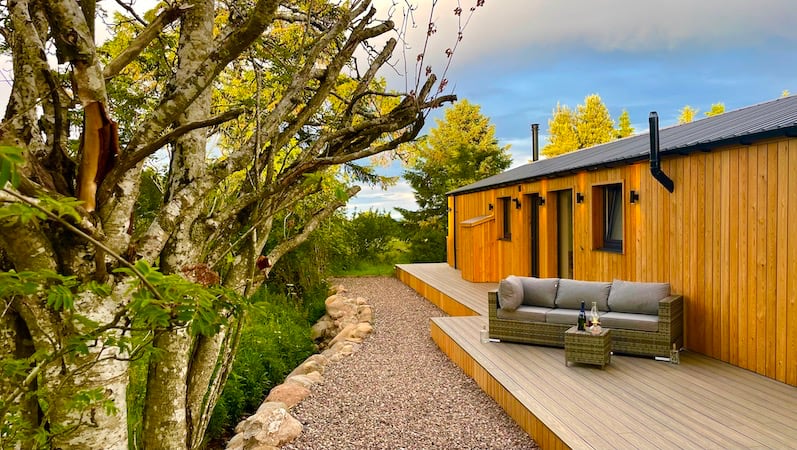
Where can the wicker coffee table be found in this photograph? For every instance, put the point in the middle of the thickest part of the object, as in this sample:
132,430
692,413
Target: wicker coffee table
587,348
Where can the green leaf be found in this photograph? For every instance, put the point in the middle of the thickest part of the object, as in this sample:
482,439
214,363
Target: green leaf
61,207
10,158
25,213
60,297
99,289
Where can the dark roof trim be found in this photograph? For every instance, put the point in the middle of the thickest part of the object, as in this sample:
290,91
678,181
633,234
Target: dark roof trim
745,126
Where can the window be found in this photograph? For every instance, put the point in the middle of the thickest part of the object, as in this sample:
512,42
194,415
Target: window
608,217
505,204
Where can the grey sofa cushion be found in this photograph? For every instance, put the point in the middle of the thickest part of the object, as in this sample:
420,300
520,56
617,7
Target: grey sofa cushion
524,313
633,297
565,316
571,293
539,291
510,293
626,321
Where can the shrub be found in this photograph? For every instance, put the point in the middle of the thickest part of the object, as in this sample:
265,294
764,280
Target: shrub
275,339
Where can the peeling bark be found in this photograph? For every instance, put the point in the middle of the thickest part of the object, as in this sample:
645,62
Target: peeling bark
99,147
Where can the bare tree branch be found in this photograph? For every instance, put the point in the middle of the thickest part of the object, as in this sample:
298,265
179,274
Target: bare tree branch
228,46
287,245
149,149
143,39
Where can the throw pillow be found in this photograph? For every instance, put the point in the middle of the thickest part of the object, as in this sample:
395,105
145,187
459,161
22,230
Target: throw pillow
510,293
635,297
539,291
572,292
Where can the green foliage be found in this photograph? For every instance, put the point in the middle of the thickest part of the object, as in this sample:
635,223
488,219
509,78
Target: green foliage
174,302
372,233
427,242
10,158
64,207
396,252
275,339
177,301
460,150
150,198
141,84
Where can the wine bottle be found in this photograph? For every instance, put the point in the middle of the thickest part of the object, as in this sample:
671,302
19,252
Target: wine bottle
582,319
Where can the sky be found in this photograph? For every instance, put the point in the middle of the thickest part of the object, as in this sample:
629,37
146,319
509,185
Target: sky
519,58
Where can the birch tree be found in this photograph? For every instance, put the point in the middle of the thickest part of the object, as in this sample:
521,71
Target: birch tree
81,297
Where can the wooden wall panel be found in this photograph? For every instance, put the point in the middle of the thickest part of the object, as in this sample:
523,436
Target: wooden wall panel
780,325
726,239
791,283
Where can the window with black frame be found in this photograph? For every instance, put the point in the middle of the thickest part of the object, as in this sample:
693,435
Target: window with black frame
505,204
608,217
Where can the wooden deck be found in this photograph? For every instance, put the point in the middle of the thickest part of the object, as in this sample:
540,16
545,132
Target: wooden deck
444,286
632,403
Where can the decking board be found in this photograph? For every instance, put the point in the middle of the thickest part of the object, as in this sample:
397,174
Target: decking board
653,404
453,293
701,403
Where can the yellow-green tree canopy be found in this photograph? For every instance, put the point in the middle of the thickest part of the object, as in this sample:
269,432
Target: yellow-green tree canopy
716,109
624,127
687,114
594,125
562,133
590,124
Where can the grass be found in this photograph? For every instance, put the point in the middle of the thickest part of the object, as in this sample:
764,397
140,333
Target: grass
396,252
366,269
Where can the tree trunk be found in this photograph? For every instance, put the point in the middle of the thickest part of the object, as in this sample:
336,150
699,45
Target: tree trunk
167,414
84,344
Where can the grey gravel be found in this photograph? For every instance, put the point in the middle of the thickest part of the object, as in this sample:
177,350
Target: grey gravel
399,391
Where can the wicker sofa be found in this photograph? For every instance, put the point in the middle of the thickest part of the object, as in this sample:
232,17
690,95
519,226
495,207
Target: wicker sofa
645,318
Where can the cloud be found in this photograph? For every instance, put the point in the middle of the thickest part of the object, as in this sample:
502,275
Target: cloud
374,198
527,28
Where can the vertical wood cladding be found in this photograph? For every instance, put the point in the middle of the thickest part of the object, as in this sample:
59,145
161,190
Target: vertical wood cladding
726,239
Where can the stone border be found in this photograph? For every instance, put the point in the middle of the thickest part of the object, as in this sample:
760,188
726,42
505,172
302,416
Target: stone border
339,333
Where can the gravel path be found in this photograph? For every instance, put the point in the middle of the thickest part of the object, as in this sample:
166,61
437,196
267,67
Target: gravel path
399,391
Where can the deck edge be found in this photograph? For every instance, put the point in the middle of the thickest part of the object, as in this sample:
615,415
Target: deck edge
448,304
542,435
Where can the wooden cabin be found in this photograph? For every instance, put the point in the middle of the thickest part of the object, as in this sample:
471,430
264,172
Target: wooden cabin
725,237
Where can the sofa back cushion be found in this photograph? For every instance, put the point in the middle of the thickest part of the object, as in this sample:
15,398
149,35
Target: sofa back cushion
539,291
572,292
510,293
635,297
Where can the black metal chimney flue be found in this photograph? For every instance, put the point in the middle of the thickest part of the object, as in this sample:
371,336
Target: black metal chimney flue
655,161
535,142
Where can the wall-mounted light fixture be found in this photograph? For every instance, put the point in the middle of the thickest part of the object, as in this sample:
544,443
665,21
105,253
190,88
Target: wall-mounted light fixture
579,197
633,197
517,202
490,206
541,201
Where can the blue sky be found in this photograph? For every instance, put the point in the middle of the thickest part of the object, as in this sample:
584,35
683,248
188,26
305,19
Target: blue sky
518,58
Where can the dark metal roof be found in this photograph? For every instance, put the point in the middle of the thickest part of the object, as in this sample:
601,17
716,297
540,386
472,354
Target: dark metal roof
773,118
